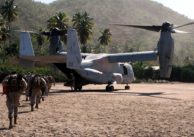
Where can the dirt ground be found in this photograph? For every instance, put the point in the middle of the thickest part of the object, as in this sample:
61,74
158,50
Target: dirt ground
147,110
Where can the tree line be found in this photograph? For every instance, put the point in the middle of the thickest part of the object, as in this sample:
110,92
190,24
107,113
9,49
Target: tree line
145,73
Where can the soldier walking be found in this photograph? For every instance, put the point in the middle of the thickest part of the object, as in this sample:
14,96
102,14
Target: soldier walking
35,91
13,86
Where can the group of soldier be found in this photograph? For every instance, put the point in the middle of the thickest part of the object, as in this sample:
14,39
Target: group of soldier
36,87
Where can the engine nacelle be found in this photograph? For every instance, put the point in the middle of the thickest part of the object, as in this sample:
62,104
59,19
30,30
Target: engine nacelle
166,52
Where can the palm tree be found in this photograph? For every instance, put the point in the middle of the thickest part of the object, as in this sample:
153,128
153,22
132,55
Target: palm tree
77,19
39,38
61,21
1,27
51,22
105,38
9,11
83,24
2,21
4,33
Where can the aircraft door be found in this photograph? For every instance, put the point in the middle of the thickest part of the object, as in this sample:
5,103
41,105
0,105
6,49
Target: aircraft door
125,71
128,74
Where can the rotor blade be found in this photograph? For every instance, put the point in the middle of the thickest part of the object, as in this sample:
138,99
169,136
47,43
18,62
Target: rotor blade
180,31
151,28
190,23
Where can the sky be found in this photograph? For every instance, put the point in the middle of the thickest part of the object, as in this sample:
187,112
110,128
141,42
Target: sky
45,1
185,7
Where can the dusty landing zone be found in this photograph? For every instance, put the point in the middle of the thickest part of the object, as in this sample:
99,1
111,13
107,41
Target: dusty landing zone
147,110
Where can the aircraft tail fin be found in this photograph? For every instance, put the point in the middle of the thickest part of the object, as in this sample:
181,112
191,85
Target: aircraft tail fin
74,58
26,48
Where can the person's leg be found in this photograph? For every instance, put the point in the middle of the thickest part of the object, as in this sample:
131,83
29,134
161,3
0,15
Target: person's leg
15,114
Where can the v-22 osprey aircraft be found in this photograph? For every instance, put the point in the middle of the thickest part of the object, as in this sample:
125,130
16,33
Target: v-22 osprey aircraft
87,68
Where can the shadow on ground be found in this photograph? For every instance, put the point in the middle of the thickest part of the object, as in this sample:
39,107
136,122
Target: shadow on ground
116,92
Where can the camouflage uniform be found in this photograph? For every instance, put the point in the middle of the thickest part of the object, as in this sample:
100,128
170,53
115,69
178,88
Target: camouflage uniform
36,91
44,87
28,79
51,81
13,96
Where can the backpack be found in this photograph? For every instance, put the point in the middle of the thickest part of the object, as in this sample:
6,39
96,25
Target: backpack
13,84
36,82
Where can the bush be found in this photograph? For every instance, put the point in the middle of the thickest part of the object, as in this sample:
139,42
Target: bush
176,73
138,69
182,74
7,69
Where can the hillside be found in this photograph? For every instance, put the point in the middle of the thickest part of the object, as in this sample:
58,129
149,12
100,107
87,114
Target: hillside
142,12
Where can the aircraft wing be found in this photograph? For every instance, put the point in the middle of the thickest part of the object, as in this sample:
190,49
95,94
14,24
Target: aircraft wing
112,58
134,56
45,59
58,58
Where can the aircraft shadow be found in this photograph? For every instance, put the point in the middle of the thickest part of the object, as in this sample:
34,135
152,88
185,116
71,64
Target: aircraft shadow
83,91
116,92
153,94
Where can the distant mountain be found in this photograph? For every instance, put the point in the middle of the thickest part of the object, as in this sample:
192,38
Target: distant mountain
142,12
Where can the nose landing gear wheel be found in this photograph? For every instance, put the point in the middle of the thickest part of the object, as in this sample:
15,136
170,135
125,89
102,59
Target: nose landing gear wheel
127,87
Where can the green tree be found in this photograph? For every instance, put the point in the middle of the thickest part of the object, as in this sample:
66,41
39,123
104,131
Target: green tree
83,24
2,21
138,68
39,38
9,11
105,38
12,50
2,29
61,21
4,34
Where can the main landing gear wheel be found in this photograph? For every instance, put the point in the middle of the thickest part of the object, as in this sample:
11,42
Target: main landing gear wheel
127,87
109,88
77,88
